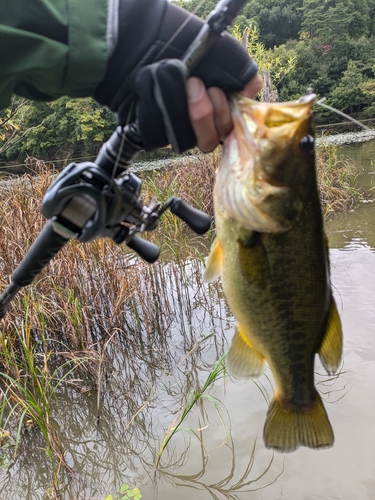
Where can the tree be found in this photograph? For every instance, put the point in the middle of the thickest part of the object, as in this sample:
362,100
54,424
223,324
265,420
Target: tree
63,128
273,64
12,121
348,96
278,20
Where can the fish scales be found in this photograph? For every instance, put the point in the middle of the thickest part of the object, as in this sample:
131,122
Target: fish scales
272,255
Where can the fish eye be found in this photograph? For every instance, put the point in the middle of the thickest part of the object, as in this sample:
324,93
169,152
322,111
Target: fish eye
306,144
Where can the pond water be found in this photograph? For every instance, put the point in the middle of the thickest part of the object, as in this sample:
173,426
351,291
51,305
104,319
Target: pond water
224,458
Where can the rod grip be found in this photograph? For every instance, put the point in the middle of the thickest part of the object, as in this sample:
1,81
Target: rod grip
44,248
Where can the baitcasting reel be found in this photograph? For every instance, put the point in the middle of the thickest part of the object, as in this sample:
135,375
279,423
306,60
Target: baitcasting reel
86,203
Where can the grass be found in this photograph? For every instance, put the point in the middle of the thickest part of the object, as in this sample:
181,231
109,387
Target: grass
337,180
29,387
93,298
217,372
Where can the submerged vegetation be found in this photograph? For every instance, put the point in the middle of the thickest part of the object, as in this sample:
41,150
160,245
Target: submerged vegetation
98,318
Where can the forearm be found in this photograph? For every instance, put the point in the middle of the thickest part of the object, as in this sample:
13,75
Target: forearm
51,48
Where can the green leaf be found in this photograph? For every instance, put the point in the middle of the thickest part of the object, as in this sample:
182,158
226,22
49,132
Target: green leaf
124,488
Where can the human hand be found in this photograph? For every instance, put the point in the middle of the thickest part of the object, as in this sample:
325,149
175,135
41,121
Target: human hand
209,111
146,78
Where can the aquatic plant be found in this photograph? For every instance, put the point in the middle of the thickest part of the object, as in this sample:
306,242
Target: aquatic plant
337,179
29,385
217,372
126,493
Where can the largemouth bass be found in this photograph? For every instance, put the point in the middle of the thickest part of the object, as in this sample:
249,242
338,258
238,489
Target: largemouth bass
272,254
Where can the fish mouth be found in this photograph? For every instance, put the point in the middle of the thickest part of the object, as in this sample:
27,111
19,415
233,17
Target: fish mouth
269,115
262,170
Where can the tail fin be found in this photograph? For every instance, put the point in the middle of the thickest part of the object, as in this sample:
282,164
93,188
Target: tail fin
286,430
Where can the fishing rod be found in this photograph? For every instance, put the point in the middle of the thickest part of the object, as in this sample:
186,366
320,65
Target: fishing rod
100,199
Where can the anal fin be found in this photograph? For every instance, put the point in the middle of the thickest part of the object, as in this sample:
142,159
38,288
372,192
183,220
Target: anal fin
214,262
243,360
330,350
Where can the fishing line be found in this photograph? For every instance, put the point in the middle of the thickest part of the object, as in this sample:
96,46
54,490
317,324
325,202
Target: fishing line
320,103
178,31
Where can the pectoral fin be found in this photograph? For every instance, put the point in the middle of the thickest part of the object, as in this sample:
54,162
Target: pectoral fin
243,360
330,351
214,262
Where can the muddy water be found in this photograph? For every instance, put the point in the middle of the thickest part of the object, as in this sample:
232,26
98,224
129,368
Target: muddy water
219,453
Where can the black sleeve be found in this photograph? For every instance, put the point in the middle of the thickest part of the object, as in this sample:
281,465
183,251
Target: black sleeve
154,30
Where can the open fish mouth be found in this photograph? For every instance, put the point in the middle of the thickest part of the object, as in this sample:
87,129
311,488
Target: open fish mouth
264,166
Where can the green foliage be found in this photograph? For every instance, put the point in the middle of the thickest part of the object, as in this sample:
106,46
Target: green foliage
340,18
277,20
368,90
126,494
348,95
12,122
29,388
63,128
279,62
335,32
74,126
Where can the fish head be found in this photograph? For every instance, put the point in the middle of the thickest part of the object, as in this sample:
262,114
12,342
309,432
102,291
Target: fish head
268,165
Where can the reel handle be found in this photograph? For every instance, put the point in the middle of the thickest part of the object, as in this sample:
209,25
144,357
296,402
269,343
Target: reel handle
145,249
198,221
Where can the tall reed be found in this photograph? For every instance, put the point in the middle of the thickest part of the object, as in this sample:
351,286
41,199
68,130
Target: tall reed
337,180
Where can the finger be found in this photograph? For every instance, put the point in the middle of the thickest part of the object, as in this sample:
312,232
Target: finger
222,115
201,112
253,87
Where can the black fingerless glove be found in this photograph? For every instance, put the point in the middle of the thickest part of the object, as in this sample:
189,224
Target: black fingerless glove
154,94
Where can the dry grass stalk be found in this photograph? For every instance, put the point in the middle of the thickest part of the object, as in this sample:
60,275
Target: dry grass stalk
337,180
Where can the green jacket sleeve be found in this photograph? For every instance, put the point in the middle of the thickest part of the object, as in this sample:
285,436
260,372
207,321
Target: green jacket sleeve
50,48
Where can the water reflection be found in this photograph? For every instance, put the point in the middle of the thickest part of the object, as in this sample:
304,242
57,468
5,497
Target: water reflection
145,372
151,360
